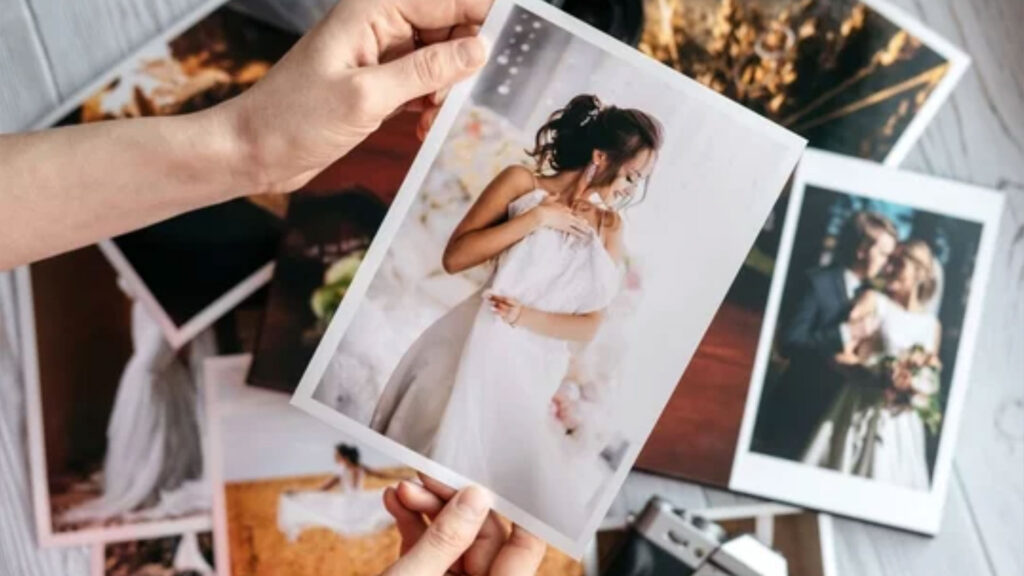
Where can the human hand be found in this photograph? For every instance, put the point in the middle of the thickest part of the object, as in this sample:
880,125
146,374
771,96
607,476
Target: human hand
864,327
462,536
508,309
363,62
552,214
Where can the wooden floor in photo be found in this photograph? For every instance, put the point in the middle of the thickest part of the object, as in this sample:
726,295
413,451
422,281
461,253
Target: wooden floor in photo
49,49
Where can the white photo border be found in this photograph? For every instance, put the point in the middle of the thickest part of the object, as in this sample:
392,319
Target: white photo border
407,195
777,478
37,450
176,335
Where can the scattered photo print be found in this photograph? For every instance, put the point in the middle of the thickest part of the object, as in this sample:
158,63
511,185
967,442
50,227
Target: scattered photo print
115,414
188,554
864,357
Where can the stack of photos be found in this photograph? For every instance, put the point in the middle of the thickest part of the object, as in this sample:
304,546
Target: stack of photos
802,538
856,78
538,369
316,501
191,269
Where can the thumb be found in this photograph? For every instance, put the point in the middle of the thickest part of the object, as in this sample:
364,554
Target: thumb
425,70
451,533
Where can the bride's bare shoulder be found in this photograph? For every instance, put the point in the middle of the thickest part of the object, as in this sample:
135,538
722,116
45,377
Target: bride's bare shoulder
514,181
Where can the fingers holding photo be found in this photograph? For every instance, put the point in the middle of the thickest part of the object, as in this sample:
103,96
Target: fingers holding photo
431,517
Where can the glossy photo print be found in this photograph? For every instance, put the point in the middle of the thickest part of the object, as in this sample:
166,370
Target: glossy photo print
115,415
191,269
539,259
861,374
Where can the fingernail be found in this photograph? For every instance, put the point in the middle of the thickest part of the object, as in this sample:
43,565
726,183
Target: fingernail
472,52
473,501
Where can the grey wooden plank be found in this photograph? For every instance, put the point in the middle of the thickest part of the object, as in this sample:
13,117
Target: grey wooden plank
979,137
84,39
867,549
27,89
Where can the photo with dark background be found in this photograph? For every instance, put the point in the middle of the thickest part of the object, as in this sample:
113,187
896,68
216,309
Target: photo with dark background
954,243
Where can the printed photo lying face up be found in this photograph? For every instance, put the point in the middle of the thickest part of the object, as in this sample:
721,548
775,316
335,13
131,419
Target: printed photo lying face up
860,378
547,270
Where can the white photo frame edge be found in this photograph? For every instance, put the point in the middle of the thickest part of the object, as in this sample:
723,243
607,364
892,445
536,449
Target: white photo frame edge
828,490
303,397
959,63
176,335
37,450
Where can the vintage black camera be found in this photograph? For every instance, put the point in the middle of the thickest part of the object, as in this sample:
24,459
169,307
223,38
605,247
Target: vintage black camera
664,541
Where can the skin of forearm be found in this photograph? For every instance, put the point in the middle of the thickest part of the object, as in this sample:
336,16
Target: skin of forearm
72,186
571,327
476,247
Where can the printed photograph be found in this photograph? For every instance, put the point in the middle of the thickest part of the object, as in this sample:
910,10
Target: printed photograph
191,269
850,76
868,332
547,241
319,504
857,78
188,554
115,414
803,539
861,373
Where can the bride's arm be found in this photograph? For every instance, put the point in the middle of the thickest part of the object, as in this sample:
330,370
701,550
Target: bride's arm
485,231
572,327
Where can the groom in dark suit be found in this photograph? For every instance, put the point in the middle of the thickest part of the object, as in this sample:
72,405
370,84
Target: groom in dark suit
817,330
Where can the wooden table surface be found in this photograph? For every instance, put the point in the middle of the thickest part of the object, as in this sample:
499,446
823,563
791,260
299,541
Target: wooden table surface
50,49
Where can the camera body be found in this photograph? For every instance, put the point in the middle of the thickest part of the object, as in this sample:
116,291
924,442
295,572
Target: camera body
664,541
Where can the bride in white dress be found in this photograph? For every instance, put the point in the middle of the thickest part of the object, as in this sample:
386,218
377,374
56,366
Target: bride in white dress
860,434
474,391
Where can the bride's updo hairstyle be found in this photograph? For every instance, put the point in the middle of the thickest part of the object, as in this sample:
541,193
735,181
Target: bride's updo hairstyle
568,140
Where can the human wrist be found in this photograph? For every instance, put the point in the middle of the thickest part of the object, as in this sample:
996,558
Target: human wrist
230,150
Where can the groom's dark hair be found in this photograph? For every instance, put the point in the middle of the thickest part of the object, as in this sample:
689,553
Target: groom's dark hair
860,228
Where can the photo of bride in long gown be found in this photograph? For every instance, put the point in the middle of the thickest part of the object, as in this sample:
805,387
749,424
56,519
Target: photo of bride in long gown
119,422
501,355
546,271
867,339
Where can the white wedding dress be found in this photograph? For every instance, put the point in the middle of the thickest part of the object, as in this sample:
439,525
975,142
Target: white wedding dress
858,434
351,511
153,466
497,427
